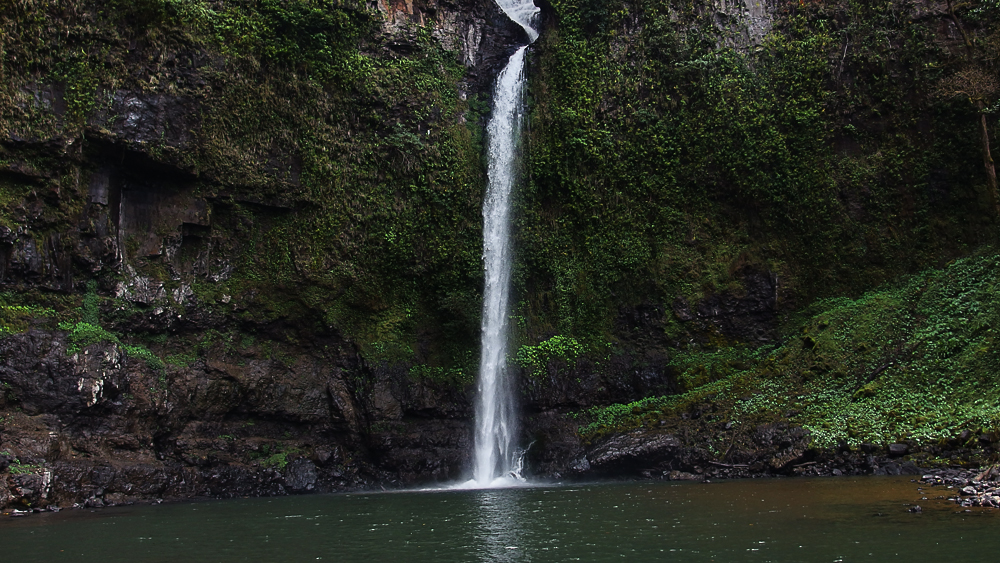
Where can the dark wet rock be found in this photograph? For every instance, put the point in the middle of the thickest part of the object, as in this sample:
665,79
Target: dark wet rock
31,489
968,487
478,30
94,502
555,448
100,425
637,447
992,473
897,450
300,476
887,469
789,444
915,509
749,316
143,117
384,403
6,497
417,450
580,465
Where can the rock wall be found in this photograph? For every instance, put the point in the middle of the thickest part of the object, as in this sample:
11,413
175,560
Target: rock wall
250,264
122,198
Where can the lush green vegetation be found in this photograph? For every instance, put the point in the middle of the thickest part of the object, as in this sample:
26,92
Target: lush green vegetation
665,162
273,456
17,318
359,183
88,331
558,348
20,311
668,156
456,377
915,361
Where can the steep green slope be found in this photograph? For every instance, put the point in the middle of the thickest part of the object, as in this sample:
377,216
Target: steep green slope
672,151
711,198
914,363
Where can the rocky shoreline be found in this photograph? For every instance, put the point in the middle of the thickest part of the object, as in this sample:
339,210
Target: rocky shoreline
966,488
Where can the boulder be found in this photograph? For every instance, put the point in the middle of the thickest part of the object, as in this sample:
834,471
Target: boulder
300,476
896,450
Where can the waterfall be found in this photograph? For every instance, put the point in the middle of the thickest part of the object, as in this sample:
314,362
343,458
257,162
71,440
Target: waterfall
496,456
523,13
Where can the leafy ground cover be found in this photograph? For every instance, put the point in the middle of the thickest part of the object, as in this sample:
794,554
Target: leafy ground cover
915,361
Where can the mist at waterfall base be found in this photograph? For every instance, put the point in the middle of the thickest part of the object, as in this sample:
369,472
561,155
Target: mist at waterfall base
496,457
777,520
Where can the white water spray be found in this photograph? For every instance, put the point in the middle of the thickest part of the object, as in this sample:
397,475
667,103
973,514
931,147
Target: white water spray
498,461
523,13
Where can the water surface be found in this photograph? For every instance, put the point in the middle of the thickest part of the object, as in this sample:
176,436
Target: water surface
831,519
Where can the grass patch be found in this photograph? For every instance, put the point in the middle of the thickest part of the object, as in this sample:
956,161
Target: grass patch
181,360
455,377
84,334
17,313
151,359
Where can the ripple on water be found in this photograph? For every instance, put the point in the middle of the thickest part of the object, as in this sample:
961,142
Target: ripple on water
777,520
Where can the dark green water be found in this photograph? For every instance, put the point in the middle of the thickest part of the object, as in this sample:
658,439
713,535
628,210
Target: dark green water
835,519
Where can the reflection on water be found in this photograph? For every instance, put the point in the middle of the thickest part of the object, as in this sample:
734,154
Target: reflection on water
499,525
787,520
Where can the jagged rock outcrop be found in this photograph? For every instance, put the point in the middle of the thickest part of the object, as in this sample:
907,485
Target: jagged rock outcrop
478,31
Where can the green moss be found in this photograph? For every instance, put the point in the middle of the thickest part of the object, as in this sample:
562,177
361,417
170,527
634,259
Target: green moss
274,456
454,377
83,334
561,349
151,359
697,368
88,331
15,318
180,360
277,461
665,164
89,308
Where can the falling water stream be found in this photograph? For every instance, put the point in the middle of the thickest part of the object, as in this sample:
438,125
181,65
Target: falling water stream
496,457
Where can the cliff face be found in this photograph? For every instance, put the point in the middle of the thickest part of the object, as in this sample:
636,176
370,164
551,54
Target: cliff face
705,179
240,240
209,216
